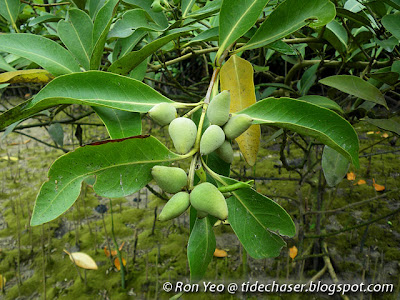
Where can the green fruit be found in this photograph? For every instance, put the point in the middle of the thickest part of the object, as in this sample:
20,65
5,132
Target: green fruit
156,6
212,138
237,125
206,198
169,179
183,134
176,206
218,109
225,152
163,113
201,214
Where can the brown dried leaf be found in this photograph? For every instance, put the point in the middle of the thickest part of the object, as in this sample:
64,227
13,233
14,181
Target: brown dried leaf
82,260
378,187
293,252
117,264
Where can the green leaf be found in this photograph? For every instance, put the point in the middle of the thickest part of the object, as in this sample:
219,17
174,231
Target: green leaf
186,6
120,124
9,9
355,86
46,53
57,134
391,23
389,78
256,220
334,166
308,119
336,35
9,130
323,102
235,19
94,6
121,167
94,88
44,18
385,124
308,79
5,66
393,3
158,17
207,10
200,249
76,34
205,36
131,20
101,27
128,62
360,19
124,46
289,17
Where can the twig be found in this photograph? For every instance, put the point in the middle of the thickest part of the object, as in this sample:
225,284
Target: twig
42,142
45,5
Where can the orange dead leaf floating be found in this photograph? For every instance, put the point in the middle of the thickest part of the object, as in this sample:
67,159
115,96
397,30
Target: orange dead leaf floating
117,263
293,252
378,187
82,260
113,252
220,253
360,182
351,176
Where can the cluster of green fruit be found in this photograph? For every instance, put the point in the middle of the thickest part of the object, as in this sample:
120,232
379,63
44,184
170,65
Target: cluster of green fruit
205,197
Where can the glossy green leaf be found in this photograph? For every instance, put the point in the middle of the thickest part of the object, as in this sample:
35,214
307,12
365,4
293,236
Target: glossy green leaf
44,18
257,220
387,44
120,124
124,46
131,20
94,88
158,17
121,167
94,6
128,62
235,19
389,78
57,133
307,80
201,247
101,26
9,10
354,6
355,86
308,119
210,8
336,35
392,24
385,124
207,35
76,34
360,19
46,53
393,3
187,6
323,102
289,17
334,166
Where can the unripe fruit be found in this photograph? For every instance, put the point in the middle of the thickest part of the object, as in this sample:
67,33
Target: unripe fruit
183,134
163,113
206,198
237,125
156,6
212,138
175,206
225,152
169,179
218,109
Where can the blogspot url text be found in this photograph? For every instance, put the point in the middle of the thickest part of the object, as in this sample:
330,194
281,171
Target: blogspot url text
275,287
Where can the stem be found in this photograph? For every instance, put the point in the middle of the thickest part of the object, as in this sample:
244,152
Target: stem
117,248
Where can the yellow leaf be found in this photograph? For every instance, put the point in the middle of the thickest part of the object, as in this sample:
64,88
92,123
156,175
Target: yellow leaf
82,260
351,176
26,76
117,263
361,182
10,158
378,187
385,135
293,252
2,282
220,253
237,76
370,132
